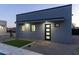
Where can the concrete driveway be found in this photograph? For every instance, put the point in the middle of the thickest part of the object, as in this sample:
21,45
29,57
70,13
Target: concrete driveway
53,48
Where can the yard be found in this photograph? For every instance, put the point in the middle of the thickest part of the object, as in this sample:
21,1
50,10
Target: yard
17,42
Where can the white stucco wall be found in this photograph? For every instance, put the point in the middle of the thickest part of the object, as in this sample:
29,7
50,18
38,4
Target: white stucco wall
3,26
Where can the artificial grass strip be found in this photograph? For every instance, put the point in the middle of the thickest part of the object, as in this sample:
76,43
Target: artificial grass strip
17,43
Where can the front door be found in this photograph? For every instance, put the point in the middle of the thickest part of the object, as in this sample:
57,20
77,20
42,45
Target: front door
47,31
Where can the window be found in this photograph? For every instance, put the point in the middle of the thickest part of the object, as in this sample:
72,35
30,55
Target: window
47,37
25,27
57,25
33,28
47,29
47,33
1,28
47,26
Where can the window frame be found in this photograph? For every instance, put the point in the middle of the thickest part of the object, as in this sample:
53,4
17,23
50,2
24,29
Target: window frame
32,28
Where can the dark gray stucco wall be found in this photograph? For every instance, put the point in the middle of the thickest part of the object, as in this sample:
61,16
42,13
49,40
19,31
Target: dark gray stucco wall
62,34
37,35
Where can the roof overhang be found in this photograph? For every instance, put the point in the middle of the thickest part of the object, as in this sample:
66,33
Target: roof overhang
43,20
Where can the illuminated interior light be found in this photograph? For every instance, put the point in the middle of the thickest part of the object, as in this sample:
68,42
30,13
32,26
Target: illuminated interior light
47,29
47,33
25,27
47,37
47,26
33,27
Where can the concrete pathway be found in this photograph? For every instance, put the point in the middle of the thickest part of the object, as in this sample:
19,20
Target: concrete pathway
11,50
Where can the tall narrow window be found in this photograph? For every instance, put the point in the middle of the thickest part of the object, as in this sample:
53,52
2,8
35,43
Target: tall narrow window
33,28
23,28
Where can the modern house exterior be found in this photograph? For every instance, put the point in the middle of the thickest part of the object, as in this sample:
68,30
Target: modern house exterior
3,26
53,24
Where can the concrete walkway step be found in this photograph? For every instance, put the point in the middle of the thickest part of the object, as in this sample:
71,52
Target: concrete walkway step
11,50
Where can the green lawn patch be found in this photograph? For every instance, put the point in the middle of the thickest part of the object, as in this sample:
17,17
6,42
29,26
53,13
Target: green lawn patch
17,42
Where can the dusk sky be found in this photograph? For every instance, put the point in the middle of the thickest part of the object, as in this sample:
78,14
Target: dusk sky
8,12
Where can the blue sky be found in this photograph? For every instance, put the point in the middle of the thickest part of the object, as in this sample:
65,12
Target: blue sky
8,11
